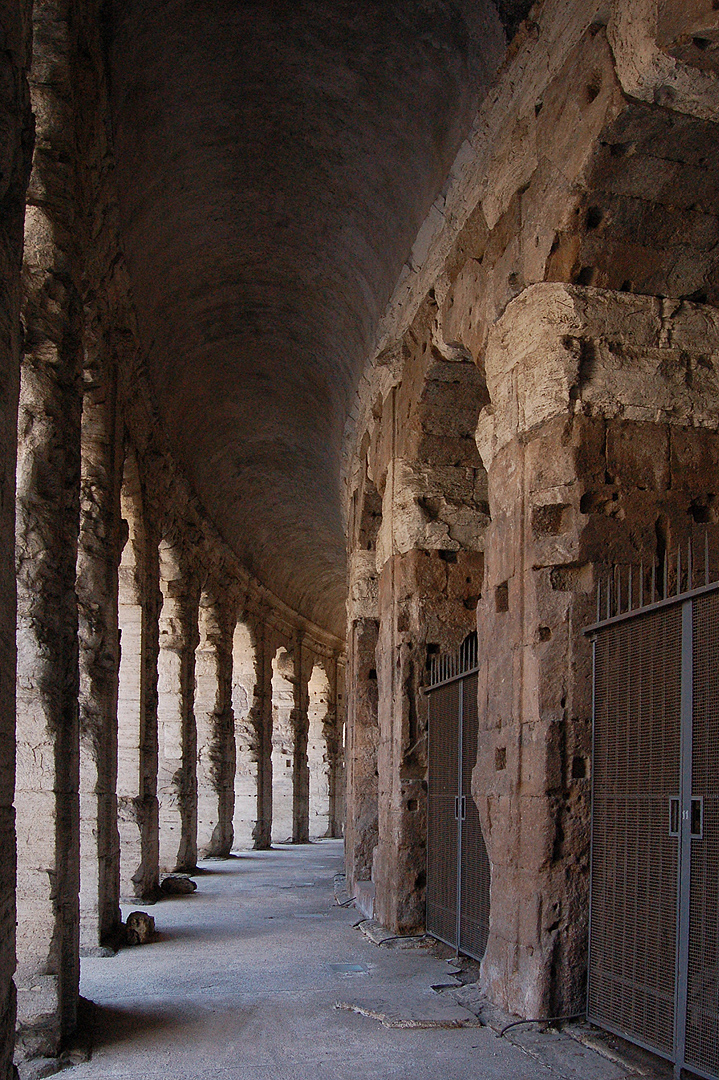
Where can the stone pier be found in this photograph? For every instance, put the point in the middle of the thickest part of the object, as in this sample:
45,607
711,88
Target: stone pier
177,733
595,458
97,593
215,729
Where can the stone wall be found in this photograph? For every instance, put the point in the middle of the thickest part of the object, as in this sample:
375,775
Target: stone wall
572,258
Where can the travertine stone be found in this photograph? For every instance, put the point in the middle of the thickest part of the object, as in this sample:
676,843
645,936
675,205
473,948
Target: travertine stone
138,608
97,595
262,722
48,513
215,729
283,745
428,541
300,729
15,157
320,758
598,442
362,745
245,661
177,732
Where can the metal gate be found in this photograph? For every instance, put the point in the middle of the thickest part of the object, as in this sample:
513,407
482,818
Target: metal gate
457,864
654,905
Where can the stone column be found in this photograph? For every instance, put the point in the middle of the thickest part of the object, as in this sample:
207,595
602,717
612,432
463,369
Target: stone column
139,604
300,725
260,719
177,734
14,63
245,661
601,448
362,726
215,730
284,696
335,730
48,480
97,566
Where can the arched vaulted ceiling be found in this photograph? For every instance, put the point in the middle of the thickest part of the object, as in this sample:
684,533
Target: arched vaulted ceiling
275,159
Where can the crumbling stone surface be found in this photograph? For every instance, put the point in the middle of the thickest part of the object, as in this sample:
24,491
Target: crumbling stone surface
592,164
586,471
427,541
17,128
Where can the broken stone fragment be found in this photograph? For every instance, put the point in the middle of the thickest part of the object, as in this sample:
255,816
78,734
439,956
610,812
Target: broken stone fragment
178,884
139,928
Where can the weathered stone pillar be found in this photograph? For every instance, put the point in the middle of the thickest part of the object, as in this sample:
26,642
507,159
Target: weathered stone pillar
177,733
139,605
14,63
300,724
430,564
97,566
362,725
335,731
261,720
601,447
283,745
215,729
47,532
245,702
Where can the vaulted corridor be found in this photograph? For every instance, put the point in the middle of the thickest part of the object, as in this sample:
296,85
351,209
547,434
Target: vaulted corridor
355,358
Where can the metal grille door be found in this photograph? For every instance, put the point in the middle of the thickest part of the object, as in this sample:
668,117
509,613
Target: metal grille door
457,863
442,837
702,1010
634,868
474,891
654,917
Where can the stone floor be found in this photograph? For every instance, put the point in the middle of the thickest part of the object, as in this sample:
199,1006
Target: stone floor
245,978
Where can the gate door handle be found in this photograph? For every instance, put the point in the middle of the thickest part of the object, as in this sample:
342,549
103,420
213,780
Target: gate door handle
456,808
695,815
674,816
463,807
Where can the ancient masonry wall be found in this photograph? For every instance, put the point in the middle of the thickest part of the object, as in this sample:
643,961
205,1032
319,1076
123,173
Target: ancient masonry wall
572,258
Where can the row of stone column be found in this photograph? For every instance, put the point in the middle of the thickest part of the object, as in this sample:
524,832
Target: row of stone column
130,752
135,754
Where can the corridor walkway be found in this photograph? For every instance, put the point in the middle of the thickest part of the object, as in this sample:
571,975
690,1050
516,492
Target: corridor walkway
241,984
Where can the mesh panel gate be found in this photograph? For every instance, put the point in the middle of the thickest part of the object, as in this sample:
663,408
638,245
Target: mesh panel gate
654,916
457,863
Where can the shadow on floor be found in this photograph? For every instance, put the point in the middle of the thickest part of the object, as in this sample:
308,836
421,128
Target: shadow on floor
103,1025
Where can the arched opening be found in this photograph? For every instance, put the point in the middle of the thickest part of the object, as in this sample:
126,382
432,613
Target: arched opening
244,680
283,746
319,755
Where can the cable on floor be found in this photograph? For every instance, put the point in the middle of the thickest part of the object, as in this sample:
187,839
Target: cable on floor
541,1020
